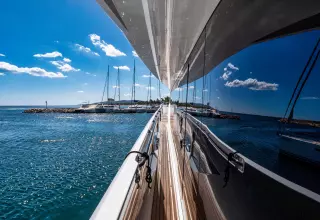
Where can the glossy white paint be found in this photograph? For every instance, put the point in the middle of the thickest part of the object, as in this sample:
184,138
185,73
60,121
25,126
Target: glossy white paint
112,202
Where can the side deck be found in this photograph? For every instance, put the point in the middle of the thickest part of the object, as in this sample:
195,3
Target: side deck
174,193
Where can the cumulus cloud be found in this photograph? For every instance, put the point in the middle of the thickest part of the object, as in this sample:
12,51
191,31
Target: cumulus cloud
253,84
226,75
310,98
2,55
64,67
67,60
231,66
178,89
134,53
116,87
122,67
49,55
228,70
2,74
80,91
85,50
127,94
33,71
138,85
150,88
109,49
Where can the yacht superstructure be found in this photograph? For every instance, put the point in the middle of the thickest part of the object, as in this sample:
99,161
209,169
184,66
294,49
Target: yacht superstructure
178,168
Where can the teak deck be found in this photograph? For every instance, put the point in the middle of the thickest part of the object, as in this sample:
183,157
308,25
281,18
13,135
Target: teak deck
164,203
159,202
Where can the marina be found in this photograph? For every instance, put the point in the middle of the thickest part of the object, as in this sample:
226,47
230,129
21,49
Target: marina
94,109
181,111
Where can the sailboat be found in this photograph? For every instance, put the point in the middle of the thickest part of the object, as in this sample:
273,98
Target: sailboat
135,107
296,145
178,168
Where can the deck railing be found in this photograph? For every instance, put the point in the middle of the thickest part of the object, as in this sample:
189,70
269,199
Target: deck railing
114,200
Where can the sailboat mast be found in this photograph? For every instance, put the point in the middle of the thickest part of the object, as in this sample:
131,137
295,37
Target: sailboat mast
104,88
134,81
149,97
194,92
119,85
108,74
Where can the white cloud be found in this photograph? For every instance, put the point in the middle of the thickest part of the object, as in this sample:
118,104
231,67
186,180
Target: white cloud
134,53
64,67
310,98
147,76
191,87
67,60
228,70
253,84
226,75
127,94
87,73
109,49
2,55
150,88
2,74
178,89
231,66
33,71
80,91
138,85
94,75
205,90
115,87
85,84
122,67
49,55
85,50
218,97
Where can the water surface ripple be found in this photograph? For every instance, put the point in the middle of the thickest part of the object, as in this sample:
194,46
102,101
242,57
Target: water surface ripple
58,166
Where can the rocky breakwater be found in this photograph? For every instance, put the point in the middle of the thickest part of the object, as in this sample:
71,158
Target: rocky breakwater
50,110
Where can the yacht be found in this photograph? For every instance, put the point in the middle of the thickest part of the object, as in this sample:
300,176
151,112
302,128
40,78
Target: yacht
178,168
137,108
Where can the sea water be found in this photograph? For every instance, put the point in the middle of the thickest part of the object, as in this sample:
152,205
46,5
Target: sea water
58,166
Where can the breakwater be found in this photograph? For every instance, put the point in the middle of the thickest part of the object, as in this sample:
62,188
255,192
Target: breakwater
76,110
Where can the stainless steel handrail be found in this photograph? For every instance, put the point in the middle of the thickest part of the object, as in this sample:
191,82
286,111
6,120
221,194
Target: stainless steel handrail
114,200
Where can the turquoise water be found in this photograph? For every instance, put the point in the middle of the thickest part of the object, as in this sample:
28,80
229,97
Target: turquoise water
58,166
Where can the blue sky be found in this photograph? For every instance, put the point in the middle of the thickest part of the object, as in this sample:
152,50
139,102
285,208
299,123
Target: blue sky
38,38
260,79
31,29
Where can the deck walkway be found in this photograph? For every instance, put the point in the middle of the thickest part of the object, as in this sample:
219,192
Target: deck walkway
164,201
175,191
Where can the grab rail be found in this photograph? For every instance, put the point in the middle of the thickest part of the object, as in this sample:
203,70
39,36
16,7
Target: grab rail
113,201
